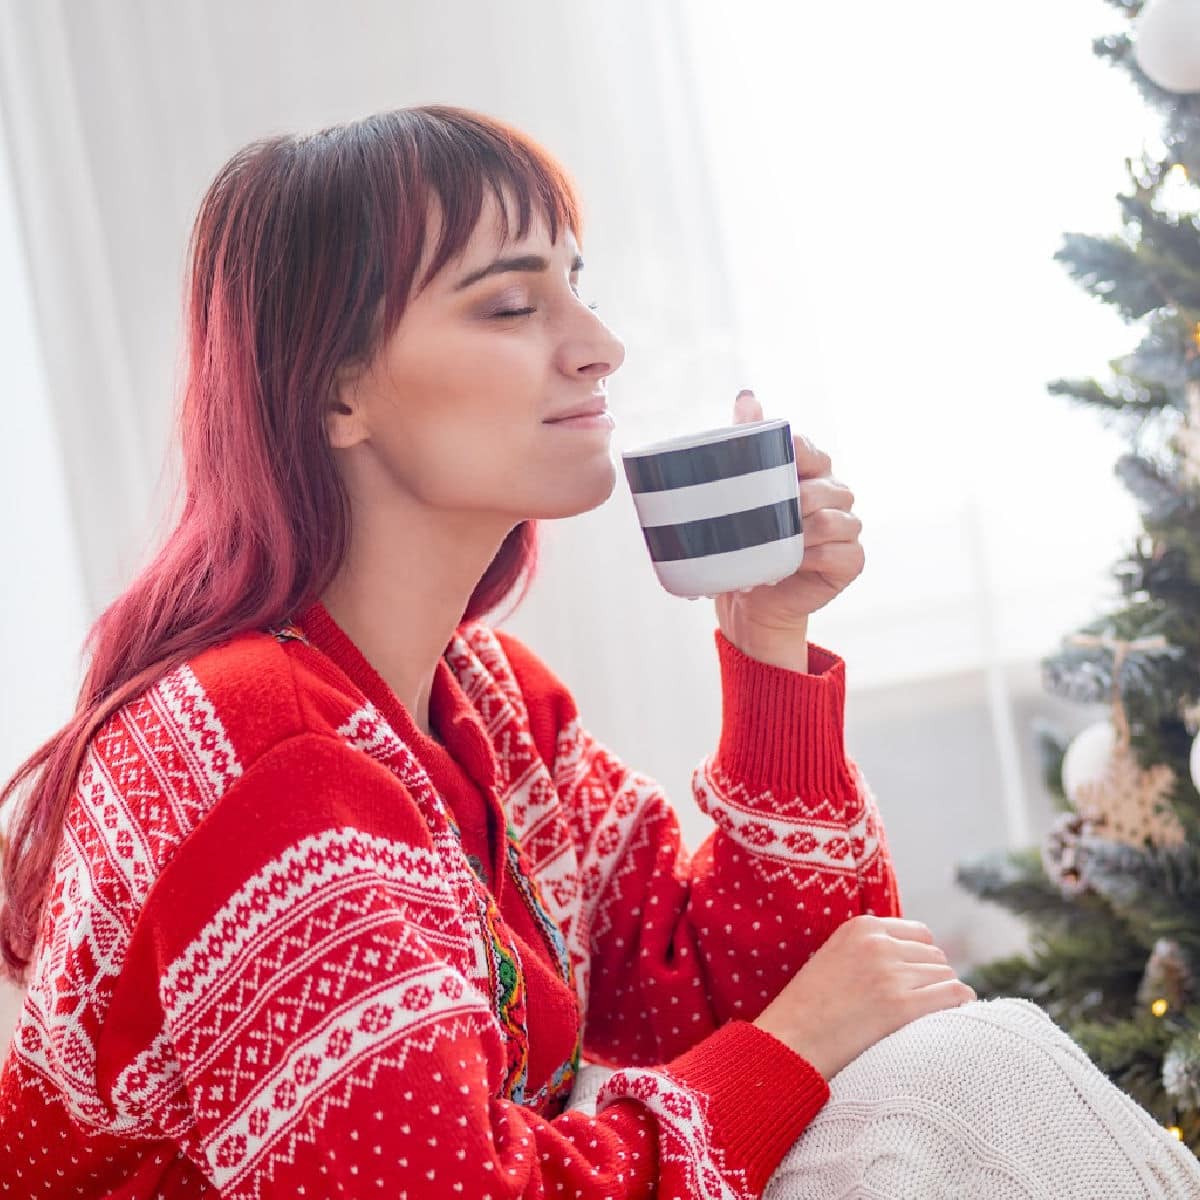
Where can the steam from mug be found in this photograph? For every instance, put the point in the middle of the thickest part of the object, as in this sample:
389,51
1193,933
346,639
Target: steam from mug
720,509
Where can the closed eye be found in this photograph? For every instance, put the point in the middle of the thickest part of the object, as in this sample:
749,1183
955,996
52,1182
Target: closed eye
524,312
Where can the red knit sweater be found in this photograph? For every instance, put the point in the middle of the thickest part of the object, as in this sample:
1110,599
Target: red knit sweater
294,947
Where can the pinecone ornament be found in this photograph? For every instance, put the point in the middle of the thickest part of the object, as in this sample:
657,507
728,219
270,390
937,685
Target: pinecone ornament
1167,976
1061,859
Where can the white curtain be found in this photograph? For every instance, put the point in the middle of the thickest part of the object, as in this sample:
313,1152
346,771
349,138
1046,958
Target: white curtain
893,183
42,608
851,208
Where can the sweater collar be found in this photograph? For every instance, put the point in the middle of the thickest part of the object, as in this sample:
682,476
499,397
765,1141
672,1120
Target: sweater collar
449,706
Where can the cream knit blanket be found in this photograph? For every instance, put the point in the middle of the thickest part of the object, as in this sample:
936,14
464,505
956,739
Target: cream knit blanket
990,1100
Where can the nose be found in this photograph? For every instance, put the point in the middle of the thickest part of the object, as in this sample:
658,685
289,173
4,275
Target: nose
601,353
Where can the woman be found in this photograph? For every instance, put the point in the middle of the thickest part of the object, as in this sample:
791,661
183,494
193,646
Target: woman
325,890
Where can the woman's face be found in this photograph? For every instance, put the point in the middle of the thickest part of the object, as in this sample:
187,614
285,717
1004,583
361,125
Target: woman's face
453,411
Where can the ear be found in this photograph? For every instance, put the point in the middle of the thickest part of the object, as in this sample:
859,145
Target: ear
345,415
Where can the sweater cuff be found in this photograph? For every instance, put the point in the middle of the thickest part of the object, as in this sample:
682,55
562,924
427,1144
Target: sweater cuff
782,729
762,1095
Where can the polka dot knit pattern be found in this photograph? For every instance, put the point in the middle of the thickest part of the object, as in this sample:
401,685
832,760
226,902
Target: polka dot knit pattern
297,947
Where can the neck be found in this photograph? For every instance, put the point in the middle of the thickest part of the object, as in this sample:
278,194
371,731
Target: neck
403,587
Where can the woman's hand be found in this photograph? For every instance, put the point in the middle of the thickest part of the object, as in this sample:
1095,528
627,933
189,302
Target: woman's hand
873,975
777,614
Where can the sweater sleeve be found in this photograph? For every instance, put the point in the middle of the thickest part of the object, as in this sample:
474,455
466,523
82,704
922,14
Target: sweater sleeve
296,1010
679,943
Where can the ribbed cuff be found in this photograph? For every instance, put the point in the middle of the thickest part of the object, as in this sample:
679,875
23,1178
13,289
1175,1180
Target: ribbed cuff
762,1095
783,729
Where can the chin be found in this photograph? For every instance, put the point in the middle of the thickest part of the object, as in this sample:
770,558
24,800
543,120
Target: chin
585,490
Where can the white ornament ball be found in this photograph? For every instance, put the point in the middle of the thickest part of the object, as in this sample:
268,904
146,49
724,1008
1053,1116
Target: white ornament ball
1087,757
1194,762
1166,43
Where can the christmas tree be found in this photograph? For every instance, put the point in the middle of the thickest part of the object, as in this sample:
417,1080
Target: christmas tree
1112,897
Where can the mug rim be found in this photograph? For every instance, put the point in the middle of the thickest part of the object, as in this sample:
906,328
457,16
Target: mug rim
705,437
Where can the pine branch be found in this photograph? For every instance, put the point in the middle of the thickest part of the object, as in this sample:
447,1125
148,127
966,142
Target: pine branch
1125,398
1012,976
1175,238
1164,575
1156,890
1123,406
1090,968
1159,492
1130,1053
1074,974
1168,252
1051,748
1015,880
1084,673
1080,675
1111,271
1077,943
1183,543
1166,357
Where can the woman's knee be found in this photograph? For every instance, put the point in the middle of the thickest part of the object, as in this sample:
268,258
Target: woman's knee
938,1054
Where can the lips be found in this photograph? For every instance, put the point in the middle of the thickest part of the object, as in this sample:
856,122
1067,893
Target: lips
591,408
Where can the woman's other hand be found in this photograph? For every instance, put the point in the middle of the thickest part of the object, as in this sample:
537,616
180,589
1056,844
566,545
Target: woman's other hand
872,976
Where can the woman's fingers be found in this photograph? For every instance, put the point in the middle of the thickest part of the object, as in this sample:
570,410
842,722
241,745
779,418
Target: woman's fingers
937,995
919,952
811,461
923,974
902,927
823,492
831,525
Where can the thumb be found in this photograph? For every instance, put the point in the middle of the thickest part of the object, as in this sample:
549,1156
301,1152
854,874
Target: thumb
746,407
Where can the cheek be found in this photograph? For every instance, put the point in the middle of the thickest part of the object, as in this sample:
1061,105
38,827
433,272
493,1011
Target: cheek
463,446
480,382
489,396
465,424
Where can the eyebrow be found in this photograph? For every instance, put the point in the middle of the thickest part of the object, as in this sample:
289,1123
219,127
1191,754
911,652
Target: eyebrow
524,262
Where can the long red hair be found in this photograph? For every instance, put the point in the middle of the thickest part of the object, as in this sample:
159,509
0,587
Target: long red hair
303,257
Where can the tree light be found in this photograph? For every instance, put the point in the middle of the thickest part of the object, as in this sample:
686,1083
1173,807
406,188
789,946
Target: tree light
1159,1007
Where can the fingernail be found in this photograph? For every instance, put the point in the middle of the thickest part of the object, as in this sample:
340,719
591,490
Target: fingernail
745,392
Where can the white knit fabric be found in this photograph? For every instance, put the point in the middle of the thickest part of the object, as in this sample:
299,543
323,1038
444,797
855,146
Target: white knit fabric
990,1100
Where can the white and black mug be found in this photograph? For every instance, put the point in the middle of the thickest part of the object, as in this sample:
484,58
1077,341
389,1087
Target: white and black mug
719,509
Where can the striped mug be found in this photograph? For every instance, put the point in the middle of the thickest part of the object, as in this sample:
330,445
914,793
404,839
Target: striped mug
719,509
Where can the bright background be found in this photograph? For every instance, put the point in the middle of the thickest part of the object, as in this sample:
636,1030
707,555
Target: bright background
851,208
